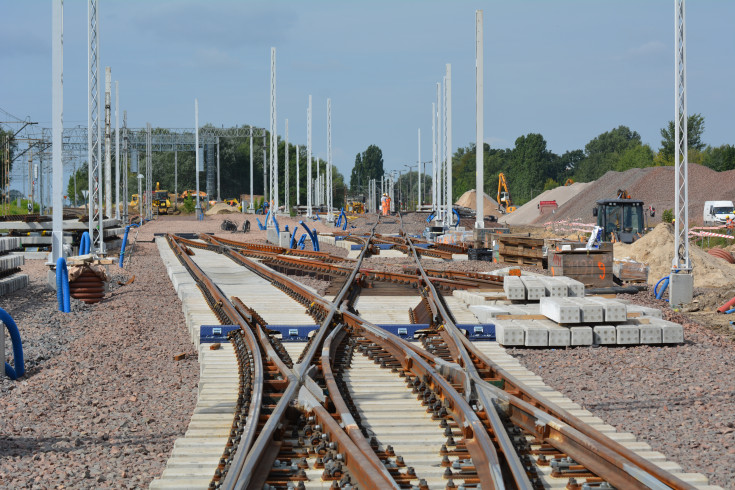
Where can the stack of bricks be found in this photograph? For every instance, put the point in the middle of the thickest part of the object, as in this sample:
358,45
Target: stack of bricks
10,277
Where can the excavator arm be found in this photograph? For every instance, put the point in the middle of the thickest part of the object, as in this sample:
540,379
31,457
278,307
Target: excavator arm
504,203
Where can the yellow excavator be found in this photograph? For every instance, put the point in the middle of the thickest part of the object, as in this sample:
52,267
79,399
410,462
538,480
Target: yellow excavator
505,205
160,200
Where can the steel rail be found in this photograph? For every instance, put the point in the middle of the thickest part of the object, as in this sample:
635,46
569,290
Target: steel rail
275,249
477,438
348,422
478,442
613,462
255,458
248,437
522,396
505,444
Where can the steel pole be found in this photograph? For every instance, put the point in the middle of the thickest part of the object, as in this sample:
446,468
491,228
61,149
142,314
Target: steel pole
198,207
57,129
286,165
176,178
117,150
308,160
219,195
433,156
126,169
252,206
479,125
418,170
449,142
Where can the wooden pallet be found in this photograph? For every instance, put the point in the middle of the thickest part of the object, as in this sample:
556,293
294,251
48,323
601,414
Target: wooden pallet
521,250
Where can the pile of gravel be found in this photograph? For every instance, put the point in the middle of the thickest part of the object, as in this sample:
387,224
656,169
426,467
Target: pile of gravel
654,186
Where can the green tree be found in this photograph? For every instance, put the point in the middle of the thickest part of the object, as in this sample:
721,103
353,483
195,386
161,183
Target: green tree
720,158
532,163
8,146
639,156
368,165
695,129
603,152
82,184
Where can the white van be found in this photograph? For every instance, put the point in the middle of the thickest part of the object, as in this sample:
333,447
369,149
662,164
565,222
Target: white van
717,212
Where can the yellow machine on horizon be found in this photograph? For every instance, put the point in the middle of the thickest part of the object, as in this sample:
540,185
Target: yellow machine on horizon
505,205
160,200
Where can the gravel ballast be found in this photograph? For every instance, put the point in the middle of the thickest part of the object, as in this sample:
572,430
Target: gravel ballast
103,400
678,399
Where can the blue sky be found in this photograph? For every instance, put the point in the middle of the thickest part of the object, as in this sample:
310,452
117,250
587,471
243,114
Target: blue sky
569,70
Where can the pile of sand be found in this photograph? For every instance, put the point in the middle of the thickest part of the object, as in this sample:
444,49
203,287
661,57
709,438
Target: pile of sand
221,208
657,250
529,212
469,200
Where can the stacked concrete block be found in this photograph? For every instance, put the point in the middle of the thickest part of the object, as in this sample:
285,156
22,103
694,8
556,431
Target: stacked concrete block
514,288
535,289
13,283
650,334
8,244
560,310
628,334
558,336
574,287
487,314
645,311
604,335
11,262
671,333
8,263
535,334
613,311
509,333
554,287
581,336
272,235
589,312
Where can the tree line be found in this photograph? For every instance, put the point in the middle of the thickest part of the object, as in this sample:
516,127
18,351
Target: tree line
532,168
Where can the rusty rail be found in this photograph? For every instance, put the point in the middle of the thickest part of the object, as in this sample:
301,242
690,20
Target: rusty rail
608,459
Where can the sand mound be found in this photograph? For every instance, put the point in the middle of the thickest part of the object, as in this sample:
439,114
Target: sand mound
220,208
529,212
657,250
468,200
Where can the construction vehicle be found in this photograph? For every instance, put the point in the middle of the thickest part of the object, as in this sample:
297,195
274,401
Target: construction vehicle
192,193
619,219
505,205
569,181
355,207
135,201
160,200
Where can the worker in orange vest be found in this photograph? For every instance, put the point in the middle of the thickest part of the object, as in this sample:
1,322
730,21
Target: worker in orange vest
383,204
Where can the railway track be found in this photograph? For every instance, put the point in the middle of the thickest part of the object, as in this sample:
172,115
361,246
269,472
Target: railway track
356,406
